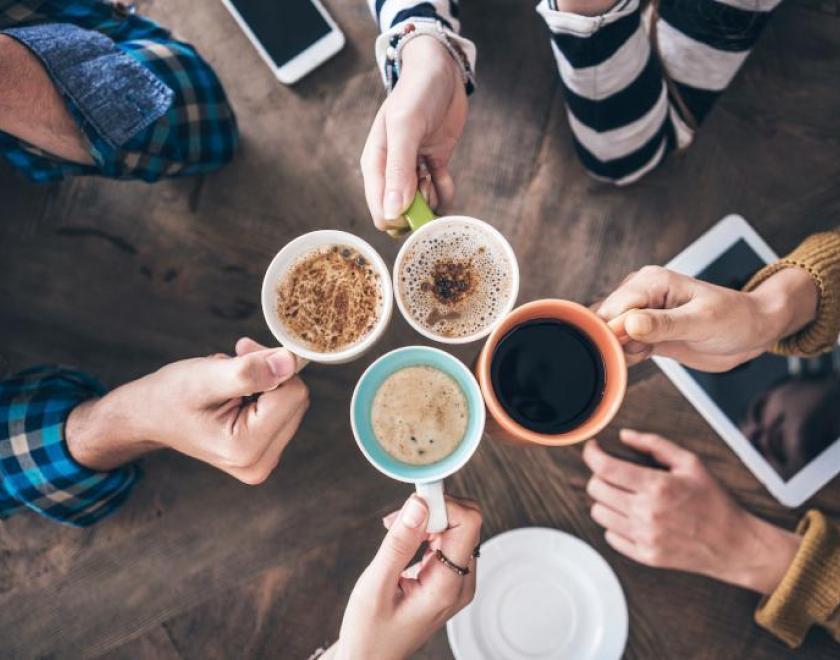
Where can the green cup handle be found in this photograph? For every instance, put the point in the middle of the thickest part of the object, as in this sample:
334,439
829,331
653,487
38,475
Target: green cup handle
418,213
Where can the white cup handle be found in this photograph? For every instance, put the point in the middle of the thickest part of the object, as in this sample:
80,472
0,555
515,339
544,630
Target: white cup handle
432,492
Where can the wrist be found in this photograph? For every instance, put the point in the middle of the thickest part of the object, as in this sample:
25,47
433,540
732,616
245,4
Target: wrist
766,554
786,302
586,7
425,51
99,435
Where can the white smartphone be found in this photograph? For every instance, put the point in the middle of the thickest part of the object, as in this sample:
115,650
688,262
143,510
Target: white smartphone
292,36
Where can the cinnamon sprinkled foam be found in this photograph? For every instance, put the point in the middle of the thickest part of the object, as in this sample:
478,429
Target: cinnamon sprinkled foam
329,299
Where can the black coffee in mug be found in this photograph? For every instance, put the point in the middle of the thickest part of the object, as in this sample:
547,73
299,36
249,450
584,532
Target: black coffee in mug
547,375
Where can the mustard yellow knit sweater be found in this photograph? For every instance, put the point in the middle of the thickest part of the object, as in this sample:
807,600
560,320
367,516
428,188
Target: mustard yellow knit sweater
809,593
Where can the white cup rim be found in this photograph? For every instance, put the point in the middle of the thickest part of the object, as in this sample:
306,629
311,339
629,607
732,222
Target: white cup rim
306,243
436,226
481,414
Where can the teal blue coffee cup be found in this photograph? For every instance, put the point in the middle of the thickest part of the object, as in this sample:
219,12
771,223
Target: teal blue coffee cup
428,479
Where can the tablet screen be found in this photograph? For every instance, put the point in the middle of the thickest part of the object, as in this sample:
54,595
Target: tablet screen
787,408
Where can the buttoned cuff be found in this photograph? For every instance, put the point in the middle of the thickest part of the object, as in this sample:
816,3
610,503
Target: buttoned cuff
112,96
36,468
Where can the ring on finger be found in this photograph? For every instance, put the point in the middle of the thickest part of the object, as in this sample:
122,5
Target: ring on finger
451,565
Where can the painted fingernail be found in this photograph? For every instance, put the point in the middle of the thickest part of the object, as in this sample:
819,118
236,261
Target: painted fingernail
392,206
413,513
281,363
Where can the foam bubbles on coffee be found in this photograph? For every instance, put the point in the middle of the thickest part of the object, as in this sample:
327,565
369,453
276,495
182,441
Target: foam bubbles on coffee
455,282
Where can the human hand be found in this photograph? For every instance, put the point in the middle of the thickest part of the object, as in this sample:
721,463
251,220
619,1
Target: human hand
681,518
420,121
394,610
702,325
201,407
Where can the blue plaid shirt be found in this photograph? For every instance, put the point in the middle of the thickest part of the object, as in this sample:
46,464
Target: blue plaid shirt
148,105
37,470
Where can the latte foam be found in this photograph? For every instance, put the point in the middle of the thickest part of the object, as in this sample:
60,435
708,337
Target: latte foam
419,415
455,282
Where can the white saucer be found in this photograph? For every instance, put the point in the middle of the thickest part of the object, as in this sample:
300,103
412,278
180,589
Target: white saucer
542,595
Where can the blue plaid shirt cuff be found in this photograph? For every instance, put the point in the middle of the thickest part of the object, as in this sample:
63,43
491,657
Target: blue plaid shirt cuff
149,105
37,470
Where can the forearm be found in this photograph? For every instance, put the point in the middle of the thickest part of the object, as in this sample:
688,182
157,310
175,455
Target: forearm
100,435
31,107
788,302
817,258
765,554
37,468
585,7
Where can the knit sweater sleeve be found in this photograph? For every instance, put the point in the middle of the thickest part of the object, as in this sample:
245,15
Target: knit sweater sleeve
819,255
809,593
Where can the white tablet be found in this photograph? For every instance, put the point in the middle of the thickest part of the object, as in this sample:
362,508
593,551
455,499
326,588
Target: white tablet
781,416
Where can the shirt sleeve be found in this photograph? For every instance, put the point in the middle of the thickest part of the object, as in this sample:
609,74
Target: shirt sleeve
819,255
809,593
37,470
148,105
392,15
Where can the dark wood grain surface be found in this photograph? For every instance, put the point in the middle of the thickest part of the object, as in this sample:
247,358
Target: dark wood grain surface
120,278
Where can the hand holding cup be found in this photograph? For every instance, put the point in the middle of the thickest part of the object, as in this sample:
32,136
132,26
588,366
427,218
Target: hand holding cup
235,413
702,325
395,608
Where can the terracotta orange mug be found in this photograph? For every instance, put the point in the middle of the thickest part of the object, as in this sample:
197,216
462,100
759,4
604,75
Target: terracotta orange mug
501,425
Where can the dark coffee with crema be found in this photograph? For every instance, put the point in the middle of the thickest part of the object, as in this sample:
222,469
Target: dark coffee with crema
548,376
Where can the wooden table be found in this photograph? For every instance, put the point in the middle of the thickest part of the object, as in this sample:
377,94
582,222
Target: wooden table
121,278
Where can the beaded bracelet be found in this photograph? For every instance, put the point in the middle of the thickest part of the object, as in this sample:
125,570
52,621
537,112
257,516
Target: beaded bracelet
412,30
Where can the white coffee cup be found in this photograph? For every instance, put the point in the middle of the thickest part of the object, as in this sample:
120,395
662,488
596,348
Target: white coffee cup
424,223
287,257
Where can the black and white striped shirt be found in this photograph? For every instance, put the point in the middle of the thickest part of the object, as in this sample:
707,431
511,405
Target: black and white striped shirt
624,117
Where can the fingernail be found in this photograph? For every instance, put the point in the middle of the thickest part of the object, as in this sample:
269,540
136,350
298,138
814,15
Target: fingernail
281,363
625,433
413,513
638,324
392,205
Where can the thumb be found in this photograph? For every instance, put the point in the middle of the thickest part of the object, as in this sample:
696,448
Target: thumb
252,373
401,542
400,168
651,326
